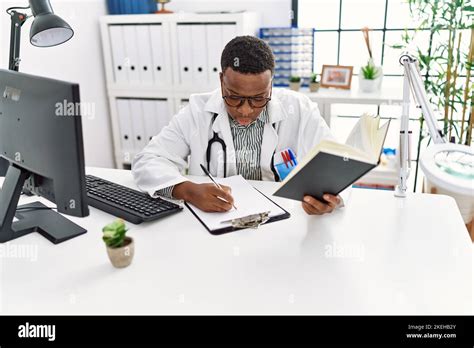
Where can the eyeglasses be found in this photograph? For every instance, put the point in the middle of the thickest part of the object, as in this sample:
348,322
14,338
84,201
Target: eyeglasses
236,101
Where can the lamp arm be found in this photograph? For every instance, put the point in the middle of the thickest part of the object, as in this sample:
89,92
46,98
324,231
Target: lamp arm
17,21
421,97
412,80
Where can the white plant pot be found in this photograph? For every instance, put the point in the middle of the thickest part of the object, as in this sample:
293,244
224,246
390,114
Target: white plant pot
295,86
123,256
370,86
314,86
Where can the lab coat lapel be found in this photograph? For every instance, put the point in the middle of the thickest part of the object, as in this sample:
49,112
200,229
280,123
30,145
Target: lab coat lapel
269,144
276,113
221,126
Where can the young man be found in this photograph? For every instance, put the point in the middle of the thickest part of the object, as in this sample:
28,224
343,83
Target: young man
236,129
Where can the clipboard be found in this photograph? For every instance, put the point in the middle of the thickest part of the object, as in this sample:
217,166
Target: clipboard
269,212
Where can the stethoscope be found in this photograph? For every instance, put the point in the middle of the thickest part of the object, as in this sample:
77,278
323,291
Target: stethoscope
216,139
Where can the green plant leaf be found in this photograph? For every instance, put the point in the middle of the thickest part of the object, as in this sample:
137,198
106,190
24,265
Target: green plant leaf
114,233
295,79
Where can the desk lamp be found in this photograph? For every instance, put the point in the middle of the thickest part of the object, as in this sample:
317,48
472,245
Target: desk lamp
47,29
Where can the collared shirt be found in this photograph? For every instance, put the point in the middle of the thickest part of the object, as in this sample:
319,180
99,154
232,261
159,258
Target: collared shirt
248,147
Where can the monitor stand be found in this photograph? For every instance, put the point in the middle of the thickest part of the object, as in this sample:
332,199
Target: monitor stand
33,217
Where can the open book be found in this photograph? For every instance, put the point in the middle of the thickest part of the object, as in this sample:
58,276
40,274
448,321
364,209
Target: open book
330,167
248,200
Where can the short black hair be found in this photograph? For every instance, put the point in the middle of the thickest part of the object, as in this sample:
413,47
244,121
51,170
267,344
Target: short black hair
247,55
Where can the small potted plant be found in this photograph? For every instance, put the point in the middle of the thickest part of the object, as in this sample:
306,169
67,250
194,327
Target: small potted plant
295,83
120,248
314,83
370,76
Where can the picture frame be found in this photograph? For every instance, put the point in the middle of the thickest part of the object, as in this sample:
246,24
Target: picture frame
338,76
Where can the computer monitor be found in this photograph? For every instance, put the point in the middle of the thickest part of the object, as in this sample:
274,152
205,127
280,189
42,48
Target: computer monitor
3,167
41,138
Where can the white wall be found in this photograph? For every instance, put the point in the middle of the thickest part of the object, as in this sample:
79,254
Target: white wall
80,59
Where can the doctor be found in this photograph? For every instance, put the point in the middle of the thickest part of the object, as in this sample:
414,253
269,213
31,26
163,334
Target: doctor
238,129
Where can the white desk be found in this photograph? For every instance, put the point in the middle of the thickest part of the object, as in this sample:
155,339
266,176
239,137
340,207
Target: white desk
409,256
325,97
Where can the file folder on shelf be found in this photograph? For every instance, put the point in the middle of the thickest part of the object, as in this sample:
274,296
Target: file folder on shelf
199,54
144,54
138,125
156,116
163,114
185,63
131,49
126,129
160,55
118,54
150,118
214,51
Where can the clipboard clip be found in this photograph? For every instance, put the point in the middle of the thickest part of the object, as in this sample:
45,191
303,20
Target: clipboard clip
250,221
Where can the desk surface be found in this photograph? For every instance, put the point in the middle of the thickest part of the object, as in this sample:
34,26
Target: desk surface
379,255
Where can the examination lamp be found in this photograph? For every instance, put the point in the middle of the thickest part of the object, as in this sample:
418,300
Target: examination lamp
47,29
458,156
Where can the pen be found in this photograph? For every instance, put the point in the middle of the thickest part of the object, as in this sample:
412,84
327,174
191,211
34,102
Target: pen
292,156
214,181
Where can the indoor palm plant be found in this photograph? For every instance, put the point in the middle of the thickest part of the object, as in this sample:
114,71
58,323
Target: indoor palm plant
120,248
446,64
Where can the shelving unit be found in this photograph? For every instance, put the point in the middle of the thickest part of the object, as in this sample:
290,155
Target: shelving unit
164,59
293,49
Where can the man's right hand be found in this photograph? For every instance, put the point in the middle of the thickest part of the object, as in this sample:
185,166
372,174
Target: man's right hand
206,197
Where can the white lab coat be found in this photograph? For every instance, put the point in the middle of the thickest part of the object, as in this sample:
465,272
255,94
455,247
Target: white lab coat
298,125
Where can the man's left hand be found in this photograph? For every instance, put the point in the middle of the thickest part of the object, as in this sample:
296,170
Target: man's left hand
314,207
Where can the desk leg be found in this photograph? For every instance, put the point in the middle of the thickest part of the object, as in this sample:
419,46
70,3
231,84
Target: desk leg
325,110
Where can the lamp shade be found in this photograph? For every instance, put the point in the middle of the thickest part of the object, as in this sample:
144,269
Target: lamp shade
47,29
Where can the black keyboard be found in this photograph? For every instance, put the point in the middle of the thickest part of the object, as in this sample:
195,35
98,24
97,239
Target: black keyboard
123,202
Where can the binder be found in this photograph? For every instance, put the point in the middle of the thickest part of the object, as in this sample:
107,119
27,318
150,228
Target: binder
131,49
161,68
156,116
138,125
185,54
118,53
163,114
214,49
135,6
127,6
229,31
150,118
145,65
199,54
112,6
126,130
151,6
253,209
